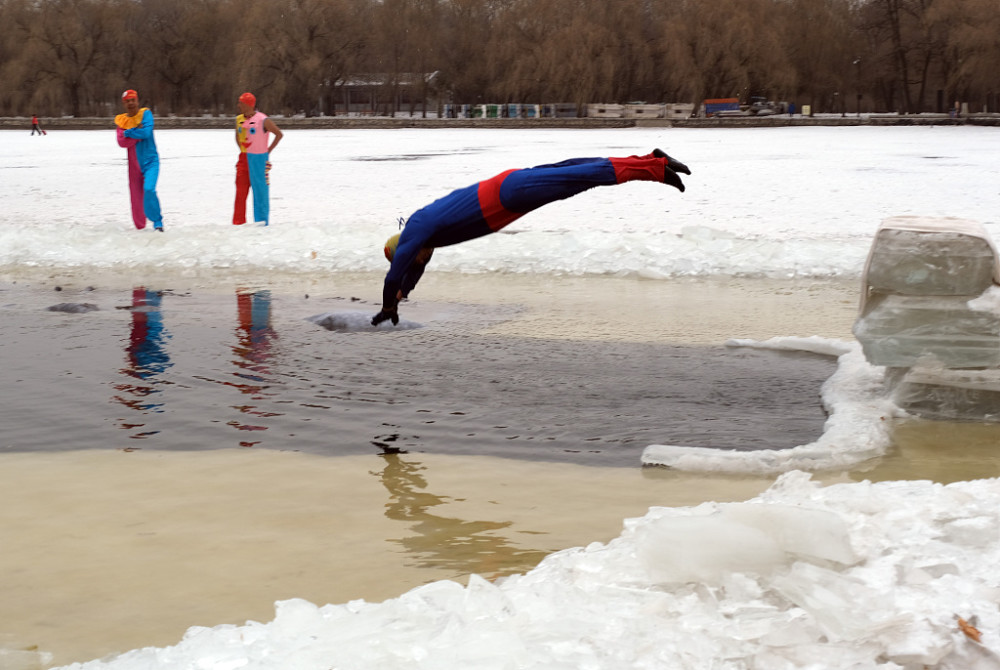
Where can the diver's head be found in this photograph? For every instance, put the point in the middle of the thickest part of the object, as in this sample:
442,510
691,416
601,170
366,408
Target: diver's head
390,247
423,256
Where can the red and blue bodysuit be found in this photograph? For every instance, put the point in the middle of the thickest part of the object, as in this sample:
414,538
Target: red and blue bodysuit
135,133
490,205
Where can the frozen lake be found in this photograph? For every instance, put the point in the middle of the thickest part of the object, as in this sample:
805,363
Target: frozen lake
763,249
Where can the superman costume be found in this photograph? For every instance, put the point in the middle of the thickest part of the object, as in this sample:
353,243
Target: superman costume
488,206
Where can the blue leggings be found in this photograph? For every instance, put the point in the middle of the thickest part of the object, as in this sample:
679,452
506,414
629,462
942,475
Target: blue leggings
150,201
257,166
530,188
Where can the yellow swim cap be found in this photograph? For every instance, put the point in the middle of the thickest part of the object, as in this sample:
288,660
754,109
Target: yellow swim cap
390,246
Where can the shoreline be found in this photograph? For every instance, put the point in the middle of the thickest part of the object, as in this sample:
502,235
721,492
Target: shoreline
389,123
685,311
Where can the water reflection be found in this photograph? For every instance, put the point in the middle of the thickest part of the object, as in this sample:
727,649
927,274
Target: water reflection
147,359
444,542
255,337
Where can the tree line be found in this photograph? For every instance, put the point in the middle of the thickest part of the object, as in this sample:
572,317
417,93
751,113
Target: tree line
192,57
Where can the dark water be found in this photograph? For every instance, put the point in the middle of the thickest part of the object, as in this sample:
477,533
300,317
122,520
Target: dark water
160,369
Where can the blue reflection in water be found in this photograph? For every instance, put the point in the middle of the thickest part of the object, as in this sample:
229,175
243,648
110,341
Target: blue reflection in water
147,358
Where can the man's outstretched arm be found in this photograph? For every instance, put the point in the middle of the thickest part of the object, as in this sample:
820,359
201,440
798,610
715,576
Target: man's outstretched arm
402,277
391,295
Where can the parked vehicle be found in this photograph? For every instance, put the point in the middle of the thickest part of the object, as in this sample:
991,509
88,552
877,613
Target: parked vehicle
762,107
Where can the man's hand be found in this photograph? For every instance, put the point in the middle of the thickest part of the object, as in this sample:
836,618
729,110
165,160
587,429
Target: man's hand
385,316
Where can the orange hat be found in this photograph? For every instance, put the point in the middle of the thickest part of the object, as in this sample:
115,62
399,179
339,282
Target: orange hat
129,94
390,246
249,98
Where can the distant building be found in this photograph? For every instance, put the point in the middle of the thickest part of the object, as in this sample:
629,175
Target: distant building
380,94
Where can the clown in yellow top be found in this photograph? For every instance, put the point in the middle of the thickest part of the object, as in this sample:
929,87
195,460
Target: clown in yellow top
135,133
253,131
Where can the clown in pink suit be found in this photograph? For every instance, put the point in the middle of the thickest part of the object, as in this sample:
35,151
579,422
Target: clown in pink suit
135,133
253,133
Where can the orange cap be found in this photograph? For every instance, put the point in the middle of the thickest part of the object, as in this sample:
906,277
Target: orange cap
129,94
390,246
249,98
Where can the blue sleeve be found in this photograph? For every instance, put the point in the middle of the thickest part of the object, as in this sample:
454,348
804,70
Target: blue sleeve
410,244
411,278
144,130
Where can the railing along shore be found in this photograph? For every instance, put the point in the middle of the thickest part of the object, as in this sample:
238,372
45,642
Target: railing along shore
375,122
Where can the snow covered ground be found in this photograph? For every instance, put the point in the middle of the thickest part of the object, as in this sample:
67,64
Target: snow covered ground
889,575
761,202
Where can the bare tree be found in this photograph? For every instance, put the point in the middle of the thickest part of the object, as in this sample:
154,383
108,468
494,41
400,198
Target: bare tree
913,48
823,50
464,43
972,50
69,42
21,77
573,50
192,55
178,38
295,49
423,50
728,48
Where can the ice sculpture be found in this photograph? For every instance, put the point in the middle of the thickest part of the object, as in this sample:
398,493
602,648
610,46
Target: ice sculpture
937,393
919,256
904,330
942,353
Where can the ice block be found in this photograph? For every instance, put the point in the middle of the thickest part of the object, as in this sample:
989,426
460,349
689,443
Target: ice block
956,395
905,331
930,256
